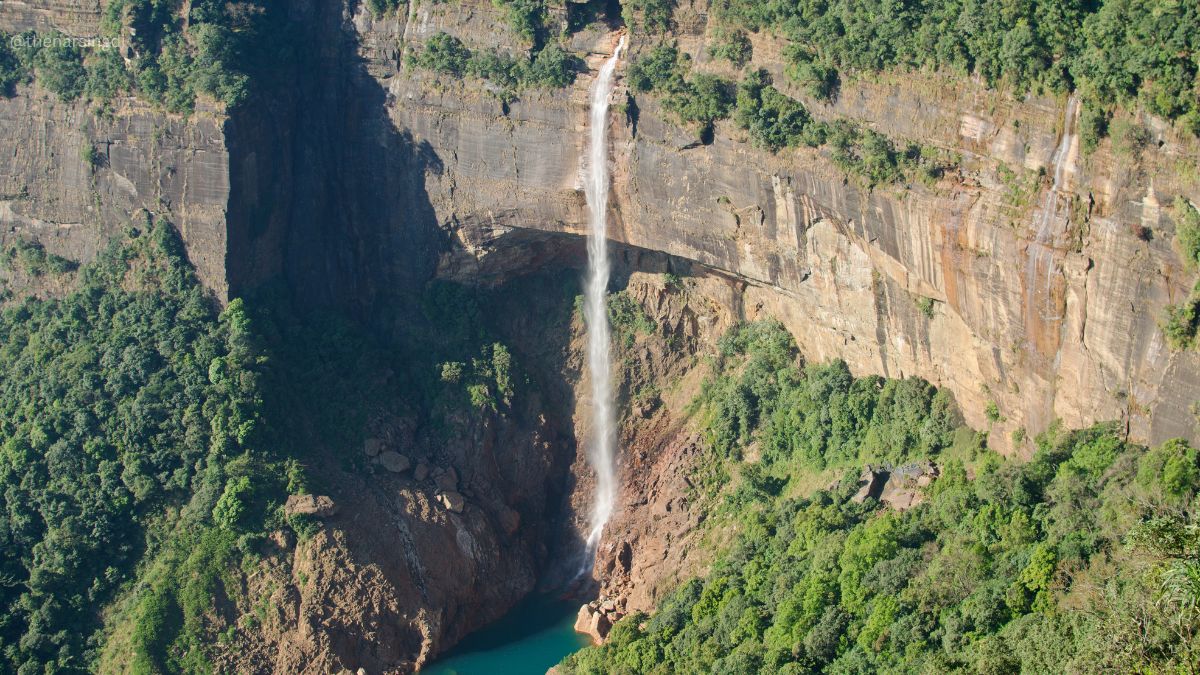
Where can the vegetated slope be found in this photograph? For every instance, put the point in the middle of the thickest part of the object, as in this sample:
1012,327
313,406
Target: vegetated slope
133,448
216,48
180,557
149,443
1082,559
1112,51
1142,52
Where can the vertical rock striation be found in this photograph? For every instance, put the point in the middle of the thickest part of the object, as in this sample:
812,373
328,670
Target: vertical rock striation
845,266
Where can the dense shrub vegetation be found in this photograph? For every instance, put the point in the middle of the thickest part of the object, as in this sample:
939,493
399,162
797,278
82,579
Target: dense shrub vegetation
58,66
222,48
875,157
733,46
1112,50
627,317
815,74
775,120
699,99
130,430
1187,231
1083,559
652,16
1181,322
381,7
820,415
12,71
32,259
549,68
527,17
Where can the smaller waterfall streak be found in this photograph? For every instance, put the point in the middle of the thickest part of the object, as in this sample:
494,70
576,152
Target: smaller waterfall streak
1060,161
1041,255
602,448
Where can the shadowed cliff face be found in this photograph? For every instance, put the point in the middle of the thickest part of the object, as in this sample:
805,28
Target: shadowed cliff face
336,190
330,198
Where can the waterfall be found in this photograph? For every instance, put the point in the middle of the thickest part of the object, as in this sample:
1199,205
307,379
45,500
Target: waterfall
1041,253
1059,161
603,441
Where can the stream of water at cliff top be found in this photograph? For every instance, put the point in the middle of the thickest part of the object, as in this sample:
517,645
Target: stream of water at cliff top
603,441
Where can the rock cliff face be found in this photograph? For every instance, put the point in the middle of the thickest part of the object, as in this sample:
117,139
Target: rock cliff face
352,178
1046,301
357,179
409,561
148,162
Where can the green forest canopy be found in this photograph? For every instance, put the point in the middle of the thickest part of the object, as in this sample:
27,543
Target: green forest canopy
224,47
1146,51
130,430
1084,559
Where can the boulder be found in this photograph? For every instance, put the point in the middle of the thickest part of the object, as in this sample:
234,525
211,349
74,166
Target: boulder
592,622
372,446
283,540
448,481
310,505
421,472
871,483
394,461
584,618
510,520
601,624
452,501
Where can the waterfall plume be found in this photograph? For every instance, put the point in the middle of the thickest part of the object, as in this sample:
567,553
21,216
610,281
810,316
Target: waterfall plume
601,448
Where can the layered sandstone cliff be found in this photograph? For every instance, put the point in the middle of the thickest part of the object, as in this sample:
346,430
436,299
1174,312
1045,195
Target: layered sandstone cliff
147,162
1047,301
1046,304
359,178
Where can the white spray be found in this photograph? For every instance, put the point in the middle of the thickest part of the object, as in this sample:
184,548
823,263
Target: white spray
602,448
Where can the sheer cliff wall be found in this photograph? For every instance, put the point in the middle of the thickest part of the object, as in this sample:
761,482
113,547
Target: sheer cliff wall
362,173
1046,304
